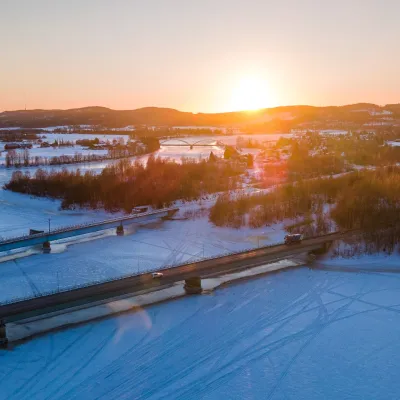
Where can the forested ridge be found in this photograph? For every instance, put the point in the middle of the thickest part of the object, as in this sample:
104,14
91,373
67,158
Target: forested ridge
154,116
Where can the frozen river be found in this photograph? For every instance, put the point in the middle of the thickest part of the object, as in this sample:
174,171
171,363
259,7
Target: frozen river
298,334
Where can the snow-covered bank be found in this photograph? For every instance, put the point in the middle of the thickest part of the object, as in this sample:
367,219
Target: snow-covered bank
36,326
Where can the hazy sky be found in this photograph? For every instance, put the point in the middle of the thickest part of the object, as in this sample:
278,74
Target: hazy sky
198,55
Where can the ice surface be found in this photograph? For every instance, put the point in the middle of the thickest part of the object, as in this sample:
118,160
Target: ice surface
36,326
79,136
230,139
298,334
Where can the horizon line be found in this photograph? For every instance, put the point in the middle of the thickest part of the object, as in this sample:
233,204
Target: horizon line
201,112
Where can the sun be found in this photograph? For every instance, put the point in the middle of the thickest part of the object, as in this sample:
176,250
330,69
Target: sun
250,93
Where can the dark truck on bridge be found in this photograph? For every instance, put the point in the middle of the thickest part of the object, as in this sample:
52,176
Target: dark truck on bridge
293,238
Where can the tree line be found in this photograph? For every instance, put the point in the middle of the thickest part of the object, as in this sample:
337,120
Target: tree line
356,148
24,159
367,200
125,185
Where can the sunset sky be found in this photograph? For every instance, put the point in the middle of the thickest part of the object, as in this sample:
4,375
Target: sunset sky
198,55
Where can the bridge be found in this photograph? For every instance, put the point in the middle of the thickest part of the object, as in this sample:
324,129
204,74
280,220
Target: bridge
76,230
85,295
199,143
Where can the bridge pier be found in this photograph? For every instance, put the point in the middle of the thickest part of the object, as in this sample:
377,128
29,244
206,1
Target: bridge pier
3,335
193,285
324,248
46,247
120,230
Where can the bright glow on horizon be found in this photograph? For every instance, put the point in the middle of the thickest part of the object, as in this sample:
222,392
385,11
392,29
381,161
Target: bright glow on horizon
251,93
198,55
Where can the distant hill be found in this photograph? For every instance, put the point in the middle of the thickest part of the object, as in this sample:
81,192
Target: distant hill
169,117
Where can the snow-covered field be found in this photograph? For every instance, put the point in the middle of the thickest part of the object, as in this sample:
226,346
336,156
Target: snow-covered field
52,152
322,132
297,334
19,213
73,137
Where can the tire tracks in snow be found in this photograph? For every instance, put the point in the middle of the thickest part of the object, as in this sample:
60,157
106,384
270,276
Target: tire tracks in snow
31,284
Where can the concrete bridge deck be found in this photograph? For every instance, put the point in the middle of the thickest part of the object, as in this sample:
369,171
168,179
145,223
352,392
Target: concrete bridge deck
76,230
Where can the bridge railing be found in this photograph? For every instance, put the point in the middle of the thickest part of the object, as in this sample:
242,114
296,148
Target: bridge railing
135,274
85,225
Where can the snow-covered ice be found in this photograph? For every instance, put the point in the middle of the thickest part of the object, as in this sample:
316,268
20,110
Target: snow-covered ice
297,334
35,326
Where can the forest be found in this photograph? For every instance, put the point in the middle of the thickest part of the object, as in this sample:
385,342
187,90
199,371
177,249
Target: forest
357,148
125,185
17,136
367,200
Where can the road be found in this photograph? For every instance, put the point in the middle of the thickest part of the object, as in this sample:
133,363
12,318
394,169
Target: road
102,291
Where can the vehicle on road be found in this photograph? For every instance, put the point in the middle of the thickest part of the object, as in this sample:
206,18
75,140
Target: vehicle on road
293,238
157,275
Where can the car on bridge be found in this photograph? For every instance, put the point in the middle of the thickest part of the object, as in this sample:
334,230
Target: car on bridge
293,238
157,275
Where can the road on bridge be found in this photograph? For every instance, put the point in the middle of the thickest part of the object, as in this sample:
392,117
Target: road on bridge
107,290
77,230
